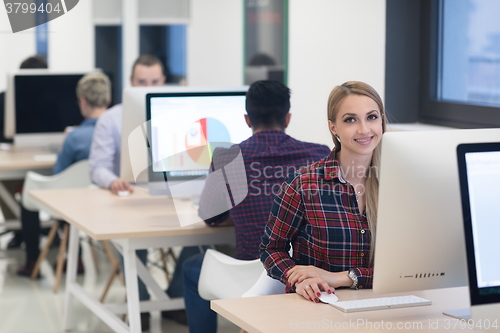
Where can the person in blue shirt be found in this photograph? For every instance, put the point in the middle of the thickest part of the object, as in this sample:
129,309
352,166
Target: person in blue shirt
94,95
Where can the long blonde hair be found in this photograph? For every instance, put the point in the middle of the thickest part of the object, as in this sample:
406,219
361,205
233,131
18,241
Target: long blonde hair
371,185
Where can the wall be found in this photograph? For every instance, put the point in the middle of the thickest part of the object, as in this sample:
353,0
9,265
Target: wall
14,48
330,42
215,43
71,40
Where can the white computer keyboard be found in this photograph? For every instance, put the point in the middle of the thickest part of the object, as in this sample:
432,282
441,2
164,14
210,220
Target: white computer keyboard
380,303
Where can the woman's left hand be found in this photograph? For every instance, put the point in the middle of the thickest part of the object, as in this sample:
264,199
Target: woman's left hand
299,273
311,289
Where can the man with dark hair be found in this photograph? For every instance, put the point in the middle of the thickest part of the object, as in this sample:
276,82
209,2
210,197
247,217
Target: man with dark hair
269,155
34,62
15,185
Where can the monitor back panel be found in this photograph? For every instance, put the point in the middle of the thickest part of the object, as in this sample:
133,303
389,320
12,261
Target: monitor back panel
420,242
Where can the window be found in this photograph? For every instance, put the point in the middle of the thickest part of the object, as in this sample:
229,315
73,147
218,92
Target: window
470,52
460,70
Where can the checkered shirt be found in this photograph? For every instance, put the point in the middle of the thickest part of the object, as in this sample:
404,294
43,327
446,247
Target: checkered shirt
316,212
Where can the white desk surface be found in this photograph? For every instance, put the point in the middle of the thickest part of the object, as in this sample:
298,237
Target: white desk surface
103,215
23,159
14,164
291,313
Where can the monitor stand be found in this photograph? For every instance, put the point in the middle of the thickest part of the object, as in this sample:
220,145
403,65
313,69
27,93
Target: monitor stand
459,314
50,142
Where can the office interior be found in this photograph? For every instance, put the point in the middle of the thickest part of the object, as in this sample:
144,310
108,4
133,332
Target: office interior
385,43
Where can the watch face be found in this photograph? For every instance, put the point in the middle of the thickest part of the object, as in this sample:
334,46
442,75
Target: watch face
352,275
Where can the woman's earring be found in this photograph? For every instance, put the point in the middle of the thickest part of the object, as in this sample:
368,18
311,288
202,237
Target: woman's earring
337,137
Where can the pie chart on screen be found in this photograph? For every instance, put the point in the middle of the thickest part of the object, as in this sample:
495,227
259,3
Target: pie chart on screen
202,137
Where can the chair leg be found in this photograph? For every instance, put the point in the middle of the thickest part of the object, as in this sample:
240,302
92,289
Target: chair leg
171,253
165,267
115,271
45,249
94,255
62,256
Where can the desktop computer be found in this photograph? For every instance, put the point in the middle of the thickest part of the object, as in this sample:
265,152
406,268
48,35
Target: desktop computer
135,162
40,105
185,128
420,241
479,171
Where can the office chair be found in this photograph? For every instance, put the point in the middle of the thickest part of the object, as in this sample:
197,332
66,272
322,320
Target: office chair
265,285
225,277
75,176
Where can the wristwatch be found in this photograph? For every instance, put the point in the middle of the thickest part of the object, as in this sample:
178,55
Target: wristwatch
352,275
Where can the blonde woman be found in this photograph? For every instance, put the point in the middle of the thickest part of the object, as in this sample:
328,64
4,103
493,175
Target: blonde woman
327,211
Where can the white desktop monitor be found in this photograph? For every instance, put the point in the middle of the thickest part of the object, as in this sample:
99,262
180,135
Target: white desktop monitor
39,105
133,118
185,128
419,237
479,171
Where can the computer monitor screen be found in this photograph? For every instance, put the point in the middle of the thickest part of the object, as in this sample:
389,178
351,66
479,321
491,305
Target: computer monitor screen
46,103
479,171
40,105
185,128
134,153
419,236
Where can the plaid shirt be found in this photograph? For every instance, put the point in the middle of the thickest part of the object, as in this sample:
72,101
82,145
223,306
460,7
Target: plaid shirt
317,213
268,156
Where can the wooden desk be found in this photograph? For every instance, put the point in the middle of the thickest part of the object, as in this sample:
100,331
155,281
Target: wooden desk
292,313
14,164
138,221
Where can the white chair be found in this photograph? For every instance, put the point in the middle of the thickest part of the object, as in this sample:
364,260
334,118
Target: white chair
75,176
224,277
265,285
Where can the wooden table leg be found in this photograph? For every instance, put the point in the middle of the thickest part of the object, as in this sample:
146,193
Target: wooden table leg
45,250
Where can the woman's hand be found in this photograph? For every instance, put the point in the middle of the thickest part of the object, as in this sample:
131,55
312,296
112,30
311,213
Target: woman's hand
299,273
311,288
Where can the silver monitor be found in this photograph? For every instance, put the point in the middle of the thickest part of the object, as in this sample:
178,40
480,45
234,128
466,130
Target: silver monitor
135,157
419,238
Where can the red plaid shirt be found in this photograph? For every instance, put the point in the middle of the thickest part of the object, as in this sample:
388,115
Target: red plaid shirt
317,213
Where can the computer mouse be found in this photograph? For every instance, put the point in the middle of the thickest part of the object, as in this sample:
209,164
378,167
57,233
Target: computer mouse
328,298
123,193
